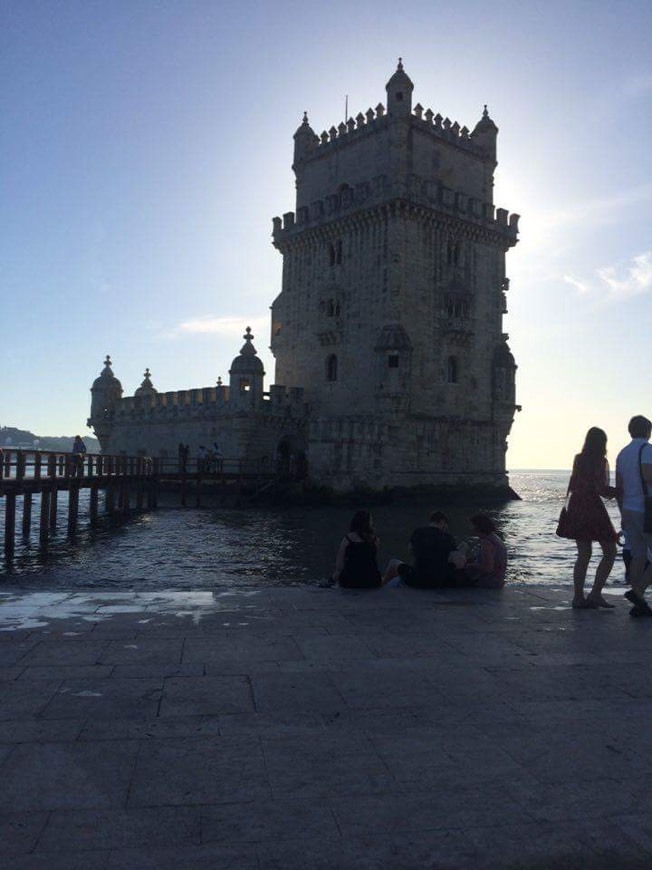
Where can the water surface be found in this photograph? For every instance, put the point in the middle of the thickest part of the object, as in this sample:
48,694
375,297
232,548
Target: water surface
212,547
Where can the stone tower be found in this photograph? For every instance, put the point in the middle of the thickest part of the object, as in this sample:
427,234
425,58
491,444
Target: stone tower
391,310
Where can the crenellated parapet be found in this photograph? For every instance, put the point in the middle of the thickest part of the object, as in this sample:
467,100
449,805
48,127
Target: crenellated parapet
311,146
426,192
198,404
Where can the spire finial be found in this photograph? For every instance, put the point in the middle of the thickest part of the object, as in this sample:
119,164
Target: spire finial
219,381
485,114
400,63
107,361
147,374
305,119
248,334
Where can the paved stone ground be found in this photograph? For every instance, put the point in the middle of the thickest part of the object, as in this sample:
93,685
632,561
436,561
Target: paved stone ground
299,728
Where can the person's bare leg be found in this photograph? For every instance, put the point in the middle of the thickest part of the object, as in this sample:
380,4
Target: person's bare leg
602,572
584,550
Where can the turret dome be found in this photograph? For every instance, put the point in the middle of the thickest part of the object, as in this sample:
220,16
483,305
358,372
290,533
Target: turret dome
247,362
305,139
399,92
107,380
485,124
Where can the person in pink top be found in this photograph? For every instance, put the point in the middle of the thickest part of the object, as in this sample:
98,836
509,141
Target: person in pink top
488,569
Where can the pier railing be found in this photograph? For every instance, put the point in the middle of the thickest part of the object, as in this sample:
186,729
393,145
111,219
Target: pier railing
25,473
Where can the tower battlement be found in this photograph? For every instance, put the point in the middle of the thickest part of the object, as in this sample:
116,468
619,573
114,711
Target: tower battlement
434,195
441,128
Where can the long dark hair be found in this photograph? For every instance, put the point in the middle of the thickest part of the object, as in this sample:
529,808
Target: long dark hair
361,524
595,446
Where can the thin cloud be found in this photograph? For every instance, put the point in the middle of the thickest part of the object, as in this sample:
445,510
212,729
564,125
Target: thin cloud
227,327
580,286
619,281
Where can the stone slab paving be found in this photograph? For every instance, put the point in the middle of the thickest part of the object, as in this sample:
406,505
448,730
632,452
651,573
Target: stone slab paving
314,728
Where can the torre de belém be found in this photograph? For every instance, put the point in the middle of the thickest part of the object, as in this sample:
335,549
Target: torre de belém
392,367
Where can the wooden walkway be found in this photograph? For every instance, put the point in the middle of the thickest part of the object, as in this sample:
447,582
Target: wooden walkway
128,482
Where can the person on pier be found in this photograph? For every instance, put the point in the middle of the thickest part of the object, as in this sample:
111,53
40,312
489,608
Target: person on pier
78,450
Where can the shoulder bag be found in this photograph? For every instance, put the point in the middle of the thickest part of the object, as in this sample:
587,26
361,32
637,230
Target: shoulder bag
564,529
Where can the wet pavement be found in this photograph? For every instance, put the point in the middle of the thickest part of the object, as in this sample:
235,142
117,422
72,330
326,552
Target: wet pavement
315,728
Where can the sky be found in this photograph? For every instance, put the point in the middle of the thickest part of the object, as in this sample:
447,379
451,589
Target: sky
146,145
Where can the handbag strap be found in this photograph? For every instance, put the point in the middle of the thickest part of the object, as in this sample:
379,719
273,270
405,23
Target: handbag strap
640,470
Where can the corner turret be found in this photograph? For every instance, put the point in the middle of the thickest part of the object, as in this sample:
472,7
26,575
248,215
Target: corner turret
105,392
399,92
246,375
484,135
304,140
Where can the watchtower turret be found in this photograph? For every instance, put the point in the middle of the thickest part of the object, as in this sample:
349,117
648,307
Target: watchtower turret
484,135
105,392
246,375
305,140
399,92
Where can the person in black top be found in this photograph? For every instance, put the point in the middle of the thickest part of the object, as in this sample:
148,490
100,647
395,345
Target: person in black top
356,566
436,554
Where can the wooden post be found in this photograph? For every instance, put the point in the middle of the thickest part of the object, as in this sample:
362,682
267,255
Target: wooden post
73,508
45,518
139,494
94,495
21,461
53,505
27,514
10,523
124,495
109,498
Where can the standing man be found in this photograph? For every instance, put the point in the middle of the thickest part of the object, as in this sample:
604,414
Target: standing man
633,466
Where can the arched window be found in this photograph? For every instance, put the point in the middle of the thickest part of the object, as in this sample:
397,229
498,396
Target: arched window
331,368
331,254
452,372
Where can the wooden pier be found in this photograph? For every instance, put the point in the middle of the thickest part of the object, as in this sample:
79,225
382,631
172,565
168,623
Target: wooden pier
127,482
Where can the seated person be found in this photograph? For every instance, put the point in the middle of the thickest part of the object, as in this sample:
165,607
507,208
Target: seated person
356,566
437,558
488,569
